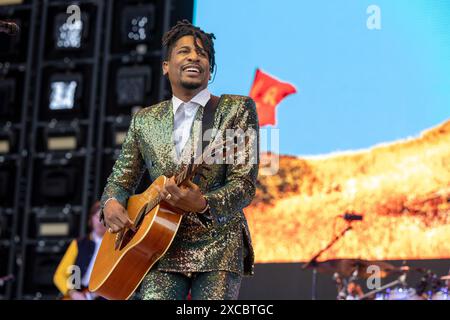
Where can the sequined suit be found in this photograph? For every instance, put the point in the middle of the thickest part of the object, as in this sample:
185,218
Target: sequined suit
222,243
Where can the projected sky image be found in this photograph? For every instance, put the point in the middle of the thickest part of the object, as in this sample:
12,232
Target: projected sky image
368,130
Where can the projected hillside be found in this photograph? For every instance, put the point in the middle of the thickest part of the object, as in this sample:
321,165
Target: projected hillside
401,188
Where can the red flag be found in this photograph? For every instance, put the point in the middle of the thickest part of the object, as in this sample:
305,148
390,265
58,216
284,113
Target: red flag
267,92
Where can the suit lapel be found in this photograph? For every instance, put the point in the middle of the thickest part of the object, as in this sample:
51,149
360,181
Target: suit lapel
162,136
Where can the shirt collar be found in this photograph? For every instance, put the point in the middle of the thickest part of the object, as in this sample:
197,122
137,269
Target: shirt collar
200,98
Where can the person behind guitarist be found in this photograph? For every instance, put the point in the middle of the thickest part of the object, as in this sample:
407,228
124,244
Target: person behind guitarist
212,249
80,253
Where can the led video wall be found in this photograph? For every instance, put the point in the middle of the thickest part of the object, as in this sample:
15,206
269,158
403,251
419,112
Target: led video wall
366,134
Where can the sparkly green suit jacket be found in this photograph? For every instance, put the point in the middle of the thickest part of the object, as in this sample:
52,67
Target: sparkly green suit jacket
223,242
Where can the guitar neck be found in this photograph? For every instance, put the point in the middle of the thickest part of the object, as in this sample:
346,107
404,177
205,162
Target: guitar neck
191,169
187,173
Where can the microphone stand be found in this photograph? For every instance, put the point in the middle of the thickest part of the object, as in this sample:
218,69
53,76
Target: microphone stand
313,261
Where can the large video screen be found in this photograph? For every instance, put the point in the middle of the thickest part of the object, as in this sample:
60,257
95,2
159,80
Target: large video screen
366,134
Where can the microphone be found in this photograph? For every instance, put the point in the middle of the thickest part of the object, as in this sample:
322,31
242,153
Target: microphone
352,217
9,28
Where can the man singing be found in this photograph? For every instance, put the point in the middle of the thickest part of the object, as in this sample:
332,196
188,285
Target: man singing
212,249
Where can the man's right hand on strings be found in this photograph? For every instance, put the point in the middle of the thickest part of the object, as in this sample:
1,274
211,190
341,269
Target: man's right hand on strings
116,216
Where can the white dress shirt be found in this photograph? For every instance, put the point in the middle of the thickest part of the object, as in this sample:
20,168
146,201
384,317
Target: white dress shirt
184,115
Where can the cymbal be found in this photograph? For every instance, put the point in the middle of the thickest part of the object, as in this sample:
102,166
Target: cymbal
346,267
445,277
408,268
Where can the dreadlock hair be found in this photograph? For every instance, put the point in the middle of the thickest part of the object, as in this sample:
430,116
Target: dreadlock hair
185,28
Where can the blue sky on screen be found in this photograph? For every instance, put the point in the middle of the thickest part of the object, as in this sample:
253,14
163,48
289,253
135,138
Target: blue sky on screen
356,87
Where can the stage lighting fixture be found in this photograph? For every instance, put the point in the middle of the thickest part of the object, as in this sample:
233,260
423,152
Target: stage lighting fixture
58,180
62,95
65,91
62,136
7,94
44,259
57,183
4,257
137,23
48,227
61,142
10,45
7,139
5,225
5,145
51,222
133,85
7,176
69,34
4,180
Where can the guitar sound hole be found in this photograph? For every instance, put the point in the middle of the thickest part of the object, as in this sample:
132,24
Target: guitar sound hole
129,234
126,238
140,217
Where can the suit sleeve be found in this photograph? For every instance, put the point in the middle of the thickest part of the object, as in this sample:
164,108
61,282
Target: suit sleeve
240,182
127,170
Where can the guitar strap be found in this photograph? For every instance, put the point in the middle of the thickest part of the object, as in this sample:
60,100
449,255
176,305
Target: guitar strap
207,123
208,118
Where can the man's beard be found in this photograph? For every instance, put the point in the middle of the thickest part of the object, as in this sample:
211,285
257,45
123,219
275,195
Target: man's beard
191,85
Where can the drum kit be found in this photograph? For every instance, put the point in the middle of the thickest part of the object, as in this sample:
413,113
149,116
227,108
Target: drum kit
347,273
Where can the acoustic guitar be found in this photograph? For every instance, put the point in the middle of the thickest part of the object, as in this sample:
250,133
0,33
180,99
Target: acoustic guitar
125,258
